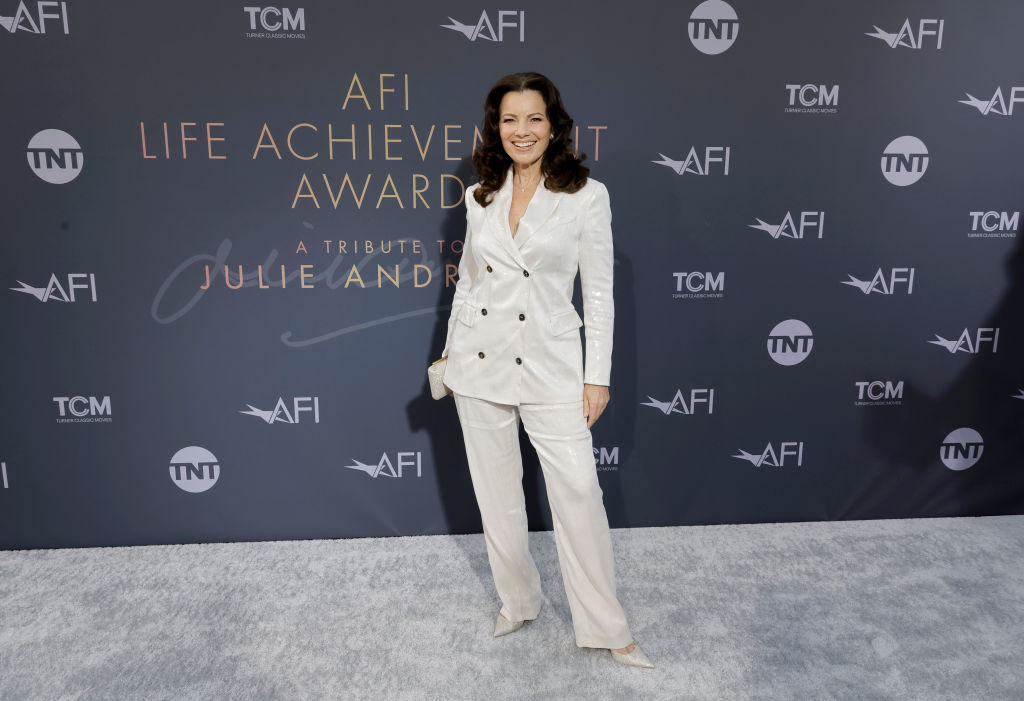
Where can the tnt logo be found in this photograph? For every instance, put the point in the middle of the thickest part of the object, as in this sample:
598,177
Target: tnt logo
713,27
715,160
793,451
997,104
83,409
484,29
55,156
904,161
24,20
385,467
961,449
810,98
970,344
700,401
911,37
56,292
195,469
886,284
790,342
605,459
698,285
286,413
273,19
793,227
879,392
994,224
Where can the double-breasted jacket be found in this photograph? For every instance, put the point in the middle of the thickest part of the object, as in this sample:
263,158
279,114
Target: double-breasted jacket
513,334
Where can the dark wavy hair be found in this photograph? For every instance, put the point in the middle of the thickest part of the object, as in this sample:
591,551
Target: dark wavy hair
562,170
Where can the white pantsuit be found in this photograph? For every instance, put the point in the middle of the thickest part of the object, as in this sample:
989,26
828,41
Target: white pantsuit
514,353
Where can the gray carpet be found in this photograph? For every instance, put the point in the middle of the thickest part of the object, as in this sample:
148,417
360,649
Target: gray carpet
909,609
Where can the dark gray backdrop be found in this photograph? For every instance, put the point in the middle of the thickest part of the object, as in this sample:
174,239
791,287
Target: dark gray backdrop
177,366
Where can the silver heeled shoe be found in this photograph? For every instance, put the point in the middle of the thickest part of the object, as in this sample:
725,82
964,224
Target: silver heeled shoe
503,626
637,658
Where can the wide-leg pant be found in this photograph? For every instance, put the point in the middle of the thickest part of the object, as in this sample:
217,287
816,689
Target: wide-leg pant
564,445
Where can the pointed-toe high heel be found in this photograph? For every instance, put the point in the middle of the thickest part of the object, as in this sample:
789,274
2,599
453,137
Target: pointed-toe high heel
503,626
637,658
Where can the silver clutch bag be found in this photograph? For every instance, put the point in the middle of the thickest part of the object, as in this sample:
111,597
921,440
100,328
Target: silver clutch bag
435,376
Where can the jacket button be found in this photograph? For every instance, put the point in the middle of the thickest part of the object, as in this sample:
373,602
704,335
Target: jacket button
522,317
526,273
490,269
481,354
519,361
484,312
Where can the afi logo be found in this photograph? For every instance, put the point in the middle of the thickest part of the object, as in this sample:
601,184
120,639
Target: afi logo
194,469
55,156
882,284
790,342
605,459
904,160
713,27
789,228
1019,395
272,19
700,282
813,95
906,36
997,104
968,344
80,407
55,292
386,468
879,391
281,414
24,21
961,449
483,29
776,458
679,405
997,223
695,165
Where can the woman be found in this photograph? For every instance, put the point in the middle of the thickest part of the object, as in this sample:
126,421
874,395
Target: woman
513,348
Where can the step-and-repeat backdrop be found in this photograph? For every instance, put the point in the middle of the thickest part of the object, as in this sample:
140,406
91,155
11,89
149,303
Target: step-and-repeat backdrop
230,237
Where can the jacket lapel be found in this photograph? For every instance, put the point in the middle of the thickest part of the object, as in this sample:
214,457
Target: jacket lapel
498,220
542,206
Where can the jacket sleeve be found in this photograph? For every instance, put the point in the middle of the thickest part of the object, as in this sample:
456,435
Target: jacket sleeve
596,272
467,273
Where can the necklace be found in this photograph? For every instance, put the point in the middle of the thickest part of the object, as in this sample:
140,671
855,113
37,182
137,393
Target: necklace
522,187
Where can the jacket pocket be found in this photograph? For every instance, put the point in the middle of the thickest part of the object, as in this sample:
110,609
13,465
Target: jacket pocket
468,313
564,322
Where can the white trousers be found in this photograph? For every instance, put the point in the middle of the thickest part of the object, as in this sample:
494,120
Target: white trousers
560,435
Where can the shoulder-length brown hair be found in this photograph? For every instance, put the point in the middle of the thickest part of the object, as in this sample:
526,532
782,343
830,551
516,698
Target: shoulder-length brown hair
563,171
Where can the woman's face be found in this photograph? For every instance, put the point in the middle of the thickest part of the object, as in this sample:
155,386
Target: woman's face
524,126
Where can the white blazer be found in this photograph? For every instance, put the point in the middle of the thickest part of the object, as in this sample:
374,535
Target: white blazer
513,334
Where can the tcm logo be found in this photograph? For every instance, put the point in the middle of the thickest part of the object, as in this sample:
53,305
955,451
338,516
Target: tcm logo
701,401
605,459
994,225
897,279
970,344
47,14
698,285
484,29
997,104
54,291
879,393
911,37
794,227
791,451
385,467
904,161
195,469
790,342
713,27
285,413
3,473
83,409
715,161
813,99
961,449
55,156
273,19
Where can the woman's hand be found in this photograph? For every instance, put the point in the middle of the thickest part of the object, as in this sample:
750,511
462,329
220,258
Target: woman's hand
595,399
